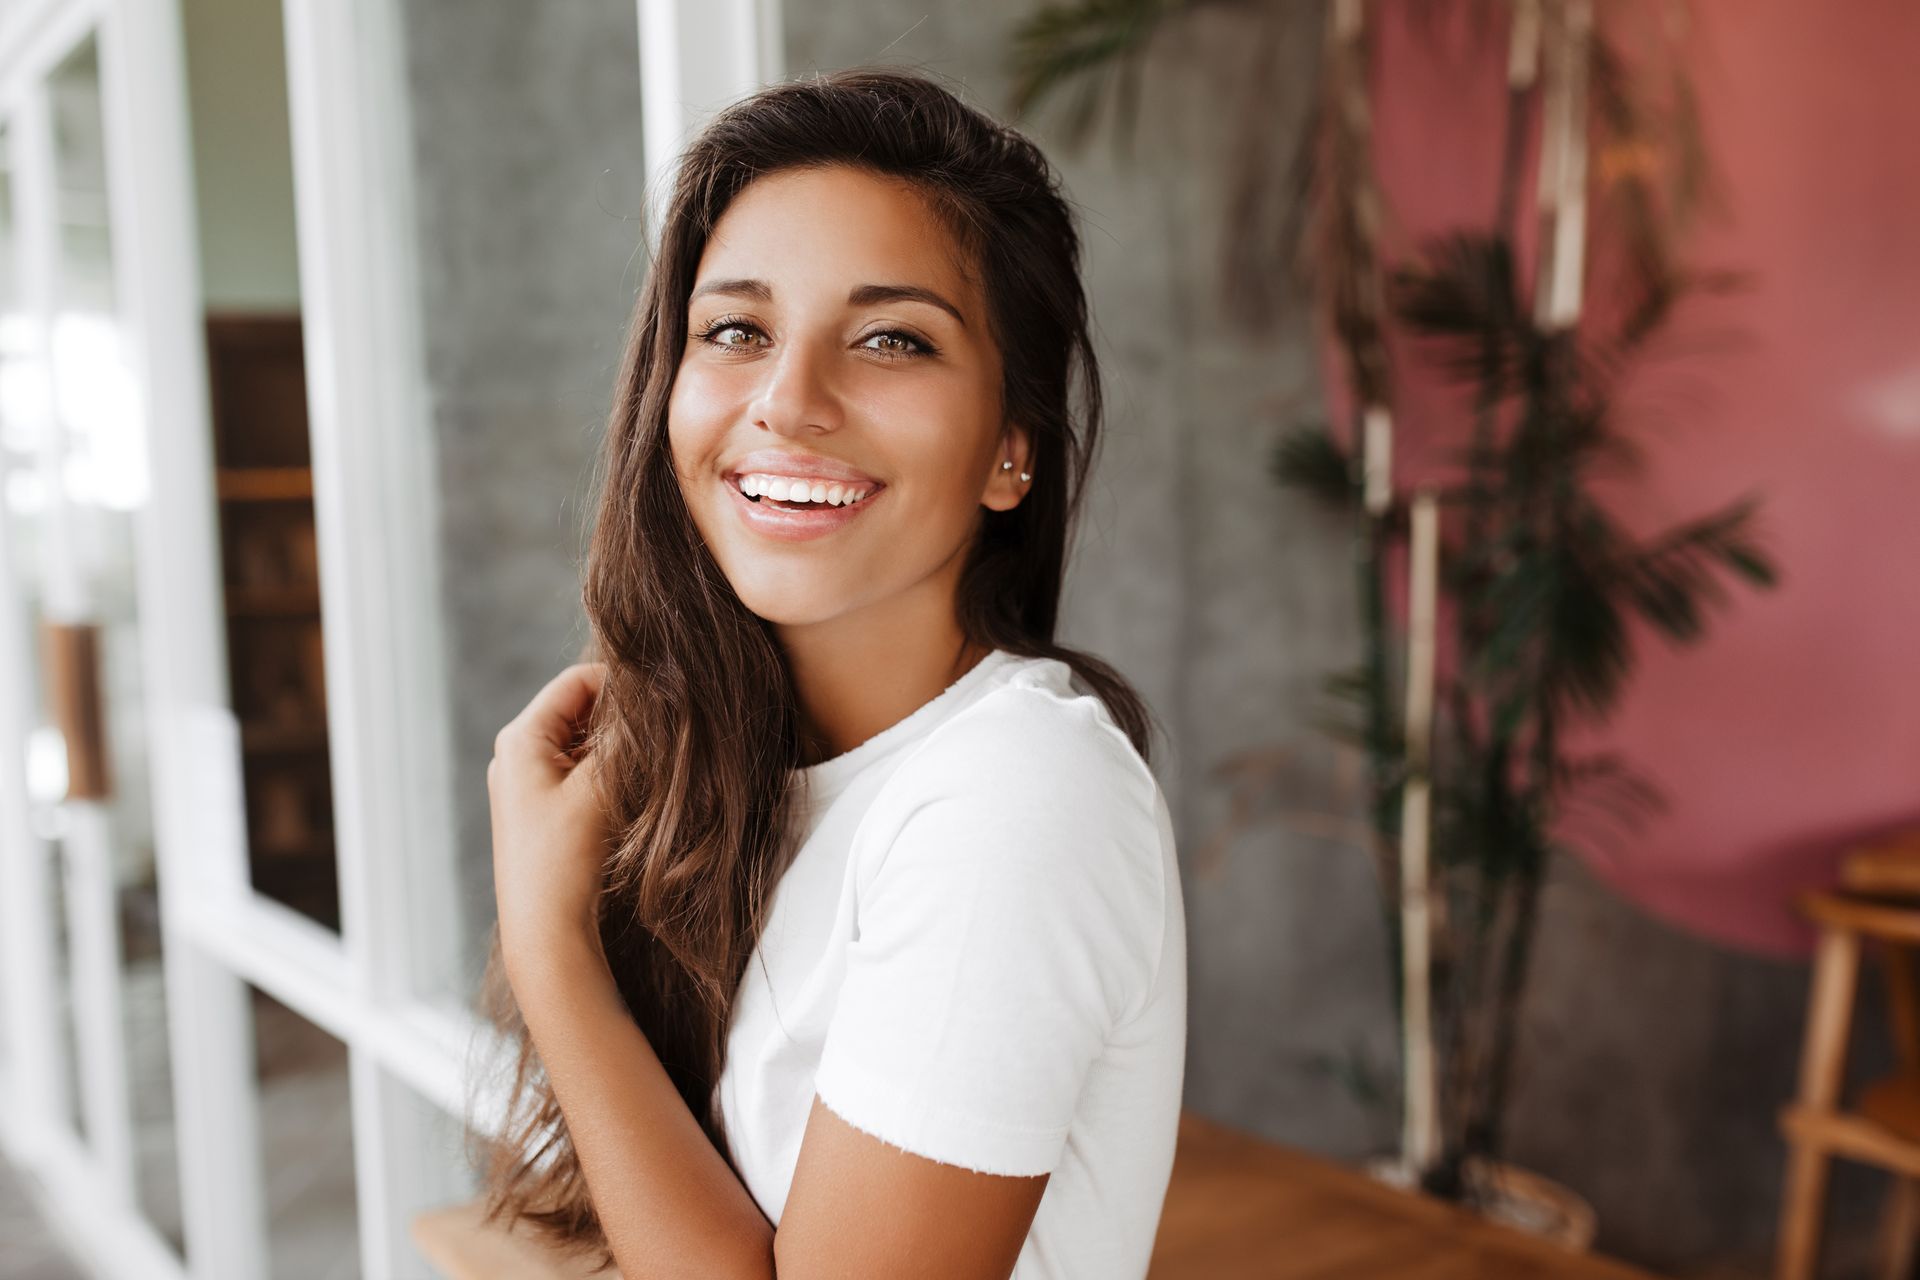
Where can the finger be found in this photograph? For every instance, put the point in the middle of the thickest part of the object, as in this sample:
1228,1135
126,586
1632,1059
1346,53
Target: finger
586,772
552,720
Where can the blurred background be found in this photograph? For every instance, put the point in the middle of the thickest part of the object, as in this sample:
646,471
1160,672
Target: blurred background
1506,507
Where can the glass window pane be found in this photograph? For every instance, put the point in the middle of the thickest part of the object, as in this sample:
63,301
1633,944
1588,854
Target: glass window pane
306,1135
250,284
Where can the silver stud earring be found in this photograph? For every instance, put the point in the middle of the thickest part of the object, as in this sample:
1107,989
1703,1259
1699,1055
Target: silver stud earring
1006,464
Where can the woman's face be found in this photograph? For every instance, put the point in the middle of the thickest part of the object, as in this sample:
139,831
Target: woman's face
821,346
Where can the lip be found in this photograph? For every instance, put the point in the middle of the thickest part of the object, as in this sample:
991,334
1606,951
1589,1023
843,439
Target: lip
795,526
777,462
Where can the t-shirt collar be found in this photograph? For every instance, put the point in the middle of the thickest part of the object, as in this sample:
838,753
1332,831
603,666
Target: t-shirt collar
826,779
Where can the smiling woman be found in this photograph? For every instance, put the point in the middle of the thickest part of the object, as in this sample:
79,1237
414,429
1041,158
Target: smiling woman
868,956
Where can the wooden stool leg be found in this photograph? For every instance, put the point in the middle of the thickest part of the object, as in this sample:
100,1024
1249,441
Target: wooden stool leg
1903,1004
1900,1221
1800,1222
1899,1227
1823,1057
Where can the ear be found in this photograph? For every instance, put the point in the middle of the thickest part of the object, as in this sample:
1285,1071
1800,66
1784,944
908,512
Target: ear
1005,489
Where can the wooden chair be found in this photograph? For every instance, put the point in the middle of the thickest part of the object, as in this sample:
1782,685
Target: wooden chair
1878,901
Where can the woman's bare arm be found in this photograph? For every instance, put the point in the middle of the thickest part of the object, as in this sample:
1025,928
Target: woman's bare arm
671,1207
669,1204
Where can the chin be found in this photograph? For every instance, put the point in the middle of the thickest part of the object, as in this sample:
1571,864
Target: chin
787,601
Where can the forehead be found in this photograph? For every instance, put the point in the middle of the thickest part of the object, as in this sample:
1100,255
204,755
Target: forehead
827,229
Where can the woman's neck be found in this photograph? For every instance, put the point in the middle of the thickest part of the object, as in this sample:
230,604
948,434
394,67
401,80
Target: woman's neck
843,704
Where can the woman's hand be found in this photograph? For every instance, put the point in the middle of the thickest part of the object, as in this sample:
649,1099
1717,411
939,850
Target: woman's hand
550,832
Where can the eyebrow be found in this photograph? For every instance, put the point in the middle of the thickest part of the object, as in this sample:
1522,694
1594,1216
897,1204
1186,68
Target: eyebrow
860,296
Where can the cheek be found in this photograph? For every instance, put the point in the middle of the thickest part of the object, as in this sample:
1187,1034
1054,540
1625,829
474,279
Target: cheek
693,406
946,447
697,427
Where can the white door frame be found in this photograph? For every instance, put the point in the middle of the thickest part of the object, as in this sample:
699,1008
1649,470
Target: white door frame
695,57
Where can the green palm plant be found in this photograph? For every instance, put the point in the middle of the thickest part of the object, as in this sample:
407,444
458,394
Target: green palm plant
1542,586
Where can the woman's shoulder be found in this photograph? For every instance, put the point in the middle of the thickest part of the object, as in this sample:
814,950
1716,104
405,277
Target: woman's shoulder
1034,799
1034,728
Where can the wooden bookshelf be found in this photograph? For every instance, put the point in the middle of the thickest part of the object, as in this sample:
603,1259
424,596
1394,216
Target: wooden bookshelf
264,484
263,480
294,600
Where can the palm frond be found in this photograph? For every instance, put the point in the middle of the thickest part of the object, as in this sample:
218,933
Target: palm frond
1274,196
1671,582
1603,806
1604,787
1652,174
1308,458
1555,444
1463,297
1081,43
1557,624
1349,718
1464,287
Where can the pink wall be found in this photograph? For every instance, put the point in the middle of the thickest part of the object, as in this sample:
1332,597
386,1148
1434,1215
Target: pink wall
1795,726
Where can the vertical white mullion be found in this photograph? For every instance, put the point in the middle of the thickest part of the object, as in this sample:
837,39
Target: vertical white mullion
36,1049
376,513
194,746
61,597
662,116
375,493
695,57
26,858
91,898
216,1114
404,1174
771,48
99,1023
27,945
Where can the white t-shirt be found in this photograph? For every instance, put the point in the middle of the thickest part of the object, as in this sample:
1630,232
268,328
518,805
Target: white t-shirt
978,954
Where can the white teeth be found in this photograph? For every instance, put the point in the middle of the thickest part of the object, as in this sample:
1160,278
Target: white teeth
787,489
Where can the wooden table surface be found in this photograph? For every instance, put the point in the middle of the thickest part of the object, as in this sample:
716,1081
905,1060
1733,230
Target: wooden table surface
1242,1207
1238,1208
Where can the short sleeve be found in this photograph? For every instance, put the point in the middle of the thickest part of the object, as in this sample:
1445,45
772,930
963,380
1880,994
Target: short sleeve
1011,918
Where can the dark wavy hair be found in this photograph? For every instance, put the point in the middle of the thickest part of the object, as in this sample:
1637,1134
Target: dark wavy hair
697,718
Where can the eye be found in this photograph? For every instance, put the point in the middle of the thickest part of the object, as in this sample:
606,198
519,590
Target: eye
916,346
910,346
710,334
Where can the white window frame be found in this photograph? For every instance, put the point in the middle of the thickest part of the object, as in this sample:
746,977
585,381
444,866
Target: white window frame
695,57
93,1180
380,986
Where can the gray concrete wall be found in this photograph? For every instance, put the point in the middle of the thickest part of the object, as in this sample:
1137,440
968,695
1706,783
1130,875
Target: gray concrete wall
1654,1062
527,159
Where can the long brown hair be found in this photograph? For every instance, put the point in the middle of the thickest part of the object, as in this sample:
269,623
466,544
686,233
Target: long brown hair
697,718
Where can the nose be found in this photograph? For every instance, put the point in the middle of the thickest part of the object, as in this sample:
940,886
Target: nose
798,393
